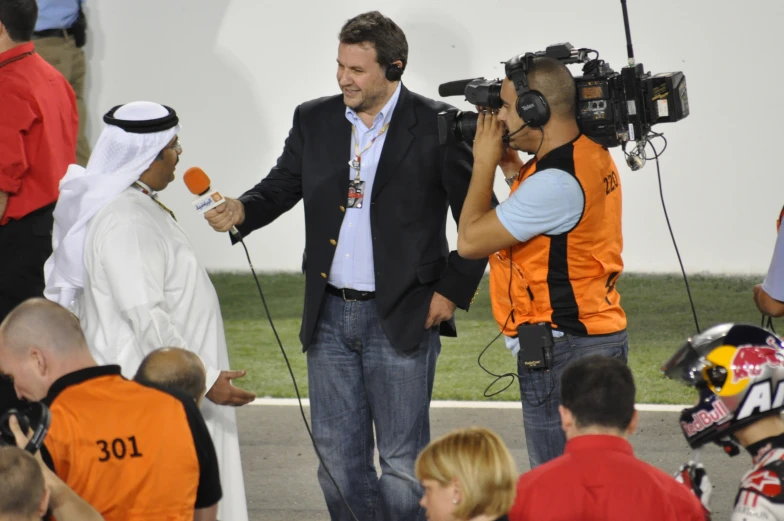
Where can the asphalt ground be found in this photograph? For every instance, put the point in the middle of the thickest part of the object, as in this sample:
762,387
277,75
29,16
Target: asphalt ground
279,463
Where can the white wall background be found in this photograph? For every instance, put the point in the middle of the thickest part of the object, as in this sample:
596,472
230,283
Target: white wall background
235,70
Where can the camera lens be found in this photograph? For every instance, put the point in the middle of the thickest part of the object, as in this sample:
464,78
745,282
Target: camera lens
456,126
465,126
494,100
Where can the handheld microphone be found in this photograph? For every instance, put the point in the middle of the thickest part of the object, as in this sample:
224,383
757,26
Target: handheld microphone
506,137
199,184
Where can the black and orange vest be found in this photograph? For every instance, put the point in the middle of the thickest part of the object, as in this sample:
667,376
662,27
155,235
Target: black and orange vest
125,448
567,280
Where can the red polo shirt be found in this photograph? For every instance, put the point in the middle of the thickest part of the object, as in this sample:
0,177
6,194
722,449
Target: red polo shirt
599,479
38,128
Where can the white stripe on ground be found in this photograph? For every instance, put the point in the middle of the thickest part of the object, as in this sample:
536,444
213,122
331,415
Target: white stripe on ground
454,404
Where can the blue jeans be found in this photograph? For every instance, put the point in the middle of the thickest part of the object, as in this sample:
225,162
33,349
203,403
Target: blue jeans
358,382
540,391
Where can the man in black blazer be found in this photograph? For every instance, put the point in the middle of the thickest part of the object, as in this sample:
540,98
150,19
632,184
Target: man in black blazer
381,282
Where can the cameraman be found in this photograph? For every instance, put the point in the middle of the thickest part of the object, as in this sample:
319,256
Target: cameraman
132,452
554,244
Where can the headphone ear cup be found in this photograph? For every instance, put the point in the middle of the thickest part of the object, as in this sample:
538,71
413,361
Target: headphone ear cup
40,418
533,109
394,72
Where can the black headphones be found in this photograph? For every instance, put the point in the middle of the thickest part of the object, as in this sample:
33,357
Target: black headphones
37,416
394,72
531,106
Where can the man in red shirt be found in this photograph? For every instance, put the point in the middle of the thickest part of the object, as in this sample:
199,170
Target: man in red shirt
598,478
38,129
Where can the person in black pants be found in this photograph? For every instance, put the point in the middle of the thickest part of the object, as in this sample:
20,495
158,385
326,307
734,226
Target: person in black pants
38,128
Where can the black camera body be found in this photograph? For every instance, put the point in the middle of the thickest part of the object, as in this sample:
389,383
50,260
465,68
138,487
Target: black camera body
456,126
612,107
33,416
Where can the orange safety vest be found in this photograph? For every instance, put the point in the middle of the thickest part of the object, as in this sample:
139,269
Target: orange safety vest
567,280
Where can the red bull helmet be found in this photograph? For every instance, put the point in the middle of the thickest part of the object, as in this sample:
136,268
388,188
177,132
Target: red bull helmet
738,370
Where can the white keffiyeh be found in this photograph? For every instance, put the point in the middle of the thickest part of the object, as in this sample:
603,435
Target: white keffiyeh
117,160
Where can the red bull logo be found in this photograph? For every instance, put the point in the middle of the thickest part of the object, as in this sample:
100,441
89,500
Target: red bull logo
701,420
749,361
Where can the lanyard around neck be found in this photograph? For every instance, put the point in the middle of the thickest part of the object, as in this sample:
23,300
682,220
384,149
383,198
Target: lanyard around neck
146,190
356,163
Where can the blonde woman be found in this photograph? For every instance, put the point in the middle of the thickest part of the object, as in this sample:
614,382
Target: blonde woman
468,475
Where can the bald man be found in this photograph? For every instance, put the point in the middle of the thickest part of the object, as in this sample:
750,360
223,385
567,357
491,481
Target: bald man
554,244
174,368
131,451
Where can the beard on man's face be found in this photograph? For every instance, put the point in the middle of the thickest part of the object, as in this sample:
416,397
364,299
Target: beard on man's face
366,100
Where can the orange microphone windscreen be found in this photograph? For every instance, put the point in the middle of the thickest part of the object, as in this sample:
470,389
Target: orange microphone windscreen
196,180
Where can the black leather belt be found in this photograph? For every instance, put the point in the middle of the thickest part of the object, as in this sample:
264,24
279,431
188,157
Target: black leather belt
350,295
52,32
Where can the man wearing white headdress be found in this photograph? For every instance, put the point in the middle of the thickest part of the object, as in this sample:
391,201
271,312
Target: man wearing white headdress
124,266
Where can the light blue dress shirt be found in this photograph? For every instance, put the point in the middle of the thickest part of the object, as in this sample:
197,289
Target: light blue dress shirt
57,14
353,266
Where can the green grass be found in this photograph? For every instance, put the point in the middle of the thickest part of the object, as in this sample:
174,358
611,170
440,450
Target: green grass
657,307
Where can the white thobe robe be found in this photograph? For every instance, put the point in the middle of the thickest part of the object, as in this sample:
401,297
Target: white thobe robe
144,289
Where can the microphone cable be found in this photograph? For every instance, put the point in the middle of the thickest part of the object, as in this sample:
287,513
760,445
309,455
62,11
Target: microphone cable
512,376
291,373
656,155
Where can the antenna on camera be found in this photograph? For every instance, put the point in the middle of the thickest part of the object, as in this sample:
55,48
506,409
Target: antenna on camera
629,49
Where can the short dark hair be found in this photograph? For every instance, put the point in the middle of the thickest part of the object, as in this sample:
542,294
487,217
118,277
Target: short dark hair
385,35
19,18
554,81
599,391
21,481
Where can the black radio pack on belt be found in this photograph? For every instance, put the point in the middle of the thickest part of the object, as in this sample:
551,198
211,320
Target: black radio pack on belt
79,29
536,346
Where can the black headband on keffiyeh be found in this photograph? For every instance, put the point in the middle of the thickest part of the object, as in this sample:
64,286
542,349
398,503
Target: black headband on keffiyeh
143,127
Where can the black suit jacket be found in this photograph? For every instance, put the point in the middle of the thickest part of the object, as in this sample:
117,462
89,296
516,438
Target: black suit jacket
416,181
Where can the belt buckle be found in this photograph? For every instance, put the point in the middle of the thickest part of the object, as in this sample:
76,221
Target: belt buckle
343,291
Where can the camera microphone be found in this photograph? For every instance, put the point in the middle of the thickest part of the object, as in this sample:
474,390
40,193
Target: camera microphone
199,184
453,88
